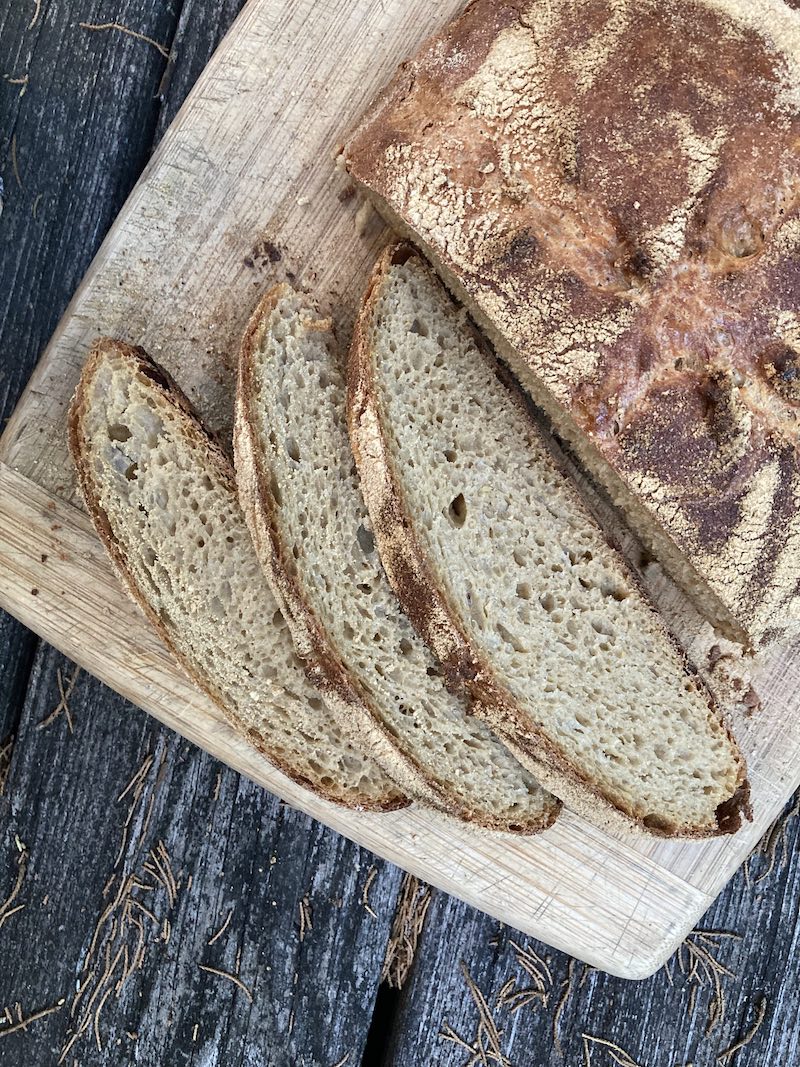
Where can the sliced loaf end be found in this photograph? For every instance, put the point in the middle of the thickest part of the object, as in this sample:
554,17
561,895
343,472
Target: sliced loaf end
504,573
161,494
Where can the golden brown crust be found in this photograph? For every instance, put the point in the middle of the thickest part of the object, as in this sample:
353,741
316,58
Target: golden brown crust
615,190
172,393
345,696
426,603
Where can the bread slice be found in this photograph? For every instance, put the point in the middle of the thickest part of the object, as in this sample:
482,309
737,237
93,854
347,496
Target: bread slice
512,584
613,191
162,496
300,493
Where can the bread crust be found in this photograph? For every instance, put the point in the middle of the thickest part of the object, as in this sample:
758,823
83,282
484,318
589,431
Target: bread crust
215,457
427,605
617,201
345,697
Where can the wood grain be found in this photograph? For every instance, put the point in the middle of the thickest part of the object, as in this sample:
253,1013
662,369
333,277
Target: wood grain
282,894
243,189
661,1022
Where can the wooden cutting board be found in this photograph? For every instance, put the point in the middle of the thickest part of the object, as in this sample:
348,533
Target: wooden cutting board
242,191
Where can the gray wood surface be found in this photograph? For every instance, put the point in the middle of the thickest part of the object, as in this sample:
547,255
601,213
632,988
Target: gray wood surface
133,849
477,982
310,915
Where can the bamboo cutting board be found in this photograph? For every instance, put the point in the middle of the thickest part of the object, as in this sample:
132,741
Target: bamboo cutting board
243,191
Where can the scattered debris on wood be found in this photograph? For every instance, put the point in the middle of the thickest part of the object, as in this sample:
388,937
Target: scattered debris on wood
412,906
230,977
343,1061
485,1048
698,963
6,909
617,1054
127,925
15,168
305,917
63,705
566,993
537,970
23,1022
6,750
748,1036
222,929
22,82
773,841
158,866
371,876
97,26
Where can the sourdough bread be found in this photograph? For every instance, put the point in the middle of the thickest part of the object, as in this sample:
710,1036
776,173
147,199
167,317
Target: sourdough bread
162,496
505,574
300,493
613,189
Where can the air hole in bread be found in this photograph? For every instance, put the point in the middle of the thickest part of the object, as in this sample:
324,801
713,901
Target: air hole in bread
119,432
419,327
450,455
365,540
293,449
457,512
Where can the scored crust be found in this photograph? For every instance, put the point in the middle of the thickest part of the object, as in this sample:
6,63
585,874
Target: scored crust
349,702
614,192
426,602
214,457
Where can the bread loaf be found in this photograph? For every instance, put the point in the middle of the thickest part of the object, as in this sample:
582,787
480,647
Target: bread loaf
613,190
161,494
500,566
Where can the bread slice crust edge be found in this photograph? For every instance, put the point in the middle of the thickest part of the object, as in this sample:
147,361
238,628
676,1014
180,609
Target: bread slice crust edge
351,706
426,603
172,393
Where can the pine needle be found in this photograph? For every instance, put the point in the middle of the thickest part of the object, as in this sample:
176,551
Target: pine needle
63,704
618,1055
371,876
222,929
14,163
37,10
23,1023
95,26
5,908
746,1038
413,902
565,995
305,917
231,978
6,750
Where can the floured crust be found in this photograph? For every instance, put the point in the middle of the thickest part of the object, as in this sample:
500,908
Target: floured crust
344,695
424,599
215,458
614,189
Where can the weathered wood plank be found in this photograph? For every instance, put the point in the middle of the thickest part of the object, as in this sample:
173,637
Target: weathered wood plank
310,913
201,26
79,111
464,961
